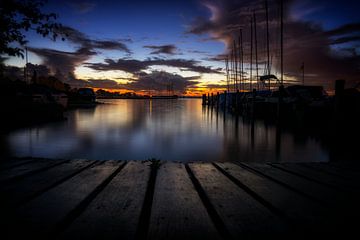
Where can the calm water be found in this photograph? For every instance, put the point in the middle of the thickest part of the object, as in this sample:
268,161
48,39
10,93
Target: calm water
176,130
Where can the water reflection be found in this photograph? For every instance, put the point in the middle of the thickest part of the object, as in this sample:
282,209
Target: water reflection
178,130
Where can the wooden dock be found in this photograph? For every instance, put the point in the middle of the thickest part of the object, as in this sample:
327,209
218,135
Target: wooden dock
83,199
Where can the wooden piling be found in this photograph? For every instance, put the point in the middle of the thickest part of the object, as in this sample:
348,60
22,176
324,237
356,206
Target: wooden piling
204,99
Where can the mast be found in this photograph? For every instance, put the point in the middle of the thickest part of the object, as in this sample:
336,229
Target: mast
303,72
267,40
256,53
236,67
251,51
227,73
282,40
241,51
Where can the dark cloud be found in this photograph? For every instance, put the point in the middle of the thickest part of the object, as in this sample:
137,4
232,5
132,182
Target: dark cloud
342,40
126,65
216,58
82,6
136,66
345,29
161,82
103,83
216,86
84,41
66,62
304,41
163,49
196,51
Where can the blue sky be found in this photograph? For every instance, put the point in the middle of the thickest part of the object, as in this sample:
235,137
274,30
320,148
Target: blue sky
196,30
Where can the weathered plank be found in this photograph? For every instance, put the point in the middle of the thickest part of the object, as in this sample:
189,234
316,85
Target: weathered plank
114,213
14,193
316,176
177,211
310,189
347,174
239,211
6,164
28,169
41,216
306,214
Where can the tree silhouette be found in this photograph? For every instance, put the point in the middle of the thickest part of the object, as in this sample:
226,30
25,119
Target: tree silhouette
20,16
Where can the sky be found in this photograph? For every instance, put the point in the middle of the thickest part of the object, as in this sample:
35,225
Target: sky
146,46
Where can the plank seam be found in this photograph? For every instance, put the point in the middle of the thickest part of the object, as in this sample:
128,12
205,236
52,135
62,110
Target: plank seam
145,214
325,172
279,182
80,208
17,178
213,214
306,177
252,193
36,194
24,162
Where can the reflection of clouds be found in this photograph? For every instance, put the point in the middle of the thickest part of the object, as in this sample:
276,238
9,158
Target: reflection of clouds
167,129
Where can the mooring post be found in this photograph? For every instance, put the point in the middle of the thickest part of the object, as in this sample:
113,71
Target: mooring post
204,99
217,99
253,103
237,100
280,100
225,98
339,91
208,99
212,99
338,103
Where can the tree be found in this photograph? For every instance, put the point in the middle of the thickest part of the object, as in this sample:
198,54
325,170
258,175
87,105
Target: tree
20,16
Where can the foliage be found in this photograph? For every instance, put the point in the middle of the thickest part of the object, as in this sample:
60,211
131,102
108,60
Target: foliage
154,163
20,16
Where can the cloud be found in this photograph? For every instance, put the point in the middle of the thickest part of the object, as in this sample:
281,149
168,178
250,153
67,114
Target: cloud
304,41
66,62
161,81
82,6
84,41
163,49
135,66
344,29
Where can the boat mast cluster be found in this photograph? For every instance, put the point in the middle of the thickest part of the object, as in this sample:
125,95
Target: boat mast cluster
237,78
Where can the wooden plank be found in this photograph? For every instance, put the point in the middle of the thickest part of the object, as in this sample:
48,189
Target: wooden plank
177,211
347,174
15,193
306,214
41,216
316,176
28,169
239,211
312,190
6,164
115,212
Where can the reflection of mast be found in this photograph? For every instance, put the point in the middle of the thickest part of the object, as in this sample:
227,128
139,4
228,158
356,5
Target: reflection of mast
241,60
282,40
267,40
236,67
251,52
227,73
256,52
